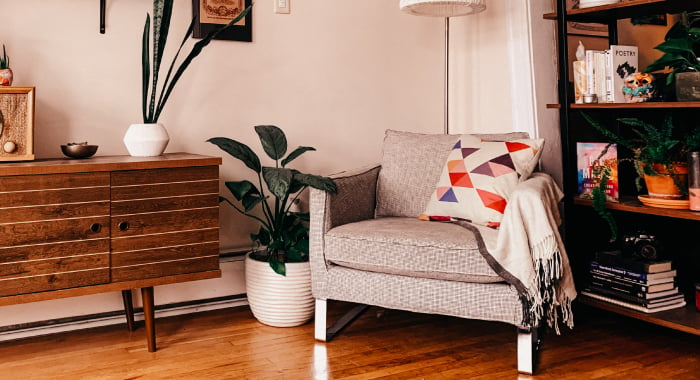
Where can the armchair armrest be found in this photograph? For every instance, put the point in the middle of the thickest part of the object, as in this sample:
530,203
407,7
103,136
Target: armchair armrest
354,201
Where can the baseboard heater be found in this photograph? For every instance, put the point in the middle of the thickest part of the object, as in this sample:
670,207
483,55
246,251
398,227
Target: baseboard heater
25,330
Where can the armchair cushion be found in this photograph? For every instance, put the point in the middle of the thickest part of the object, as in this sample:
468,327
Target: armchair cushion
479,176
408,247
410,168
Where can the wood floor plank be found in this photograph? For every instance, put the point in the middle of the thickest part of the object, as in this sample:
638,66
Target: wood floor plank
382,344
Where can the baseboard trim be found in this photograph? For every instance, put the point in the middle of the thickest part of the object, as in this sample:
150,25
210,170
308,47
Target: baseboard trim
53,326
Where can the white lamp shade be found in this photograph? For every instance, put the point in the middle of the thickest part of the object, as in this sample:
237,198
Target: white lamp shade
442,8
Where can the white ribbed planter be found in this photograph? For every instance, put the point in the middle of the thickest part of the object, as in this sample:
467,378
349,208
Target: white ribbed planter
280,301
146,140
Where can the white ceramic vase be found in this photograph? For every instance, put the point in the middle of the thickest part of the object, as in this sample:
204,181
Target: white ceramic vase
276,300
146,140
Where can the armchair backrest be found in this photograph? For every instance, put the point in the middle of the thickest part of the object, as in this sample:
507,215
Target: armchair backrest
411,166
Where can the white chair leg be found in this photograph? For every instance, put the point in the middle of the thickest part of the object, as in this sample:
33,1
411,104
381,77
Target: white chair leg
320,320
528,345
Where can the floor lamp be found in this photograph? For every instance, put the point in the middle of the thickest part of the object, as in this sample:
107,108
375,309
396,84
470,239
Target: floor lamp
446,9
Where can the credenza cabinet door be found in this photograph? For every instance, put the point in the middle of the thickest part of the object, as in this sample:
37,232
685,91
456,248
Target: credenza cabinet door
54,231
164,222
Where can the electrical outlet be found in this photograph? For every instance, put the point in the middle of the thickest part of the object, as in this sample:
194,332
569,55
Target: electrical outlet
281,6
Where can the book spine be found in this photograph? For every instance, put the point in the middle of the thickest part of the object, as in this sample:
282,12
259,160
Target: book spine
632,299
590,72
631,285
599,72
611,260
631,289
619,271
632,306
608,77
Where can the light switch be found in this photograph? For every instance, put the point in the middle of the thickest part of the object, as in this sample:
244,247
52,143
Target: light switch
281,6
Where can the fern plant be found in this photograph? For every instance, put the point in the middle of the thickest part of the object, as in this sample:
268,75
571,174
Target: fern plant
155,95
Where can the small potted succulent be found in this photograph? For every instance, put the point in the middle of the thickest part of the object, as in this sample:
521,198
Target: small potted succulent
278,275
5,70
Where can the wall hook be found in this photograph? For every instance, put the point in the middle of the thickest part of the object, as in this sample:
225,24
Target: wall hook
102,16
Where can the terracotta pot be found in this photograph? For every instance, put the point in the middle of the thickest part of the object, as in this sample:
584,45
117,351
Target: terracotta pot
276,300
663,186
6,77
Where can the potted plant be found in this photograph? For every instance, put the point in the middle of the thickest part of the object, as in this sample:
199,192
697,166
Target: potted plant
150,138
5,70
658,157
681,53
278,276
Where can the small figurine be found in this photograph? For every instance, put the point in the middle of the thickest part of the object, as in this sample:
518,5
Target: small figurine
638,87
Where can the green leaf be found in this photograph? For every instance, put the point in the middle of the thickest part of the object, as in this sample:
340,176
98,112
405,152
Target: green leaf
278,266
317,182
240,189
238,150
162,12
196,50
296,153
161,101
263,236
145,67
273,141
278,181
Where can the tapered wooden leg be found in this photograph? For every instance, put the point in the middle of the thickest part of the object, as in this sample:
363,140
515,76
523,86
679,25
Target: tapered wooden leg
528,350
149,317
128,309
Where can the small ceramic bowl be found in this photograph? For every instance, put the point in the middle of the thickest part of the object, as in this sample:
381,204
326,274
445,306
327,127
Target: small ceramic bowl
79,151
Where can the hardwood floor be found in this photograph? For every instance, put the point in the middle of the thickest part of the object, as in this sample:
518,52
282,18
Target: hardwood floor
382,344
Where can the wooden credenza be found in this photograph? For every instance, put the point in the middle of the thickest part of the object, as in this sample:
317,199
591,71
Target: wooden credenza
77,227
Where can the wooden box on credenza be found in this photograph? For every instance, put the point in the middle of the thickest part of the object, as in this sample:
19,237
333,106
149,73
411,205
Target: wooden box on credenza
16,123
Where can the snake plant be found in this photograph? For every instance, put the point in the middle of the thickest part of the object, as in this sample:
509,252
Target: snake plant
4,60
155,95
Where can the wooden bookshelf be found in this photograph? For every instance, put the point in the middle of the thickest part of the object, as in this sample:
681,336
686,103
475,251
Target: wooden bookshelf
685,319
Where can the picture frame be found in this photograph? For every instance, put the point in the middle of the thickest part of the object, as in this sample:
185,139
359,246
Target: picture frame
16,123
582,28
212,14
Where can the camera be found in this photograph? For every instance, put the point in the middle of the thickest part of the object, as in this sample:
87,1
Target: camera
641,245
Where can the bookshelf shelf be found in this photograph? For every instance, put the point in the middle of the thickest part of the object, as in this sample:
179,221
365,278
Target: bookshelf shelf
627,9
633,205
685,319
664,105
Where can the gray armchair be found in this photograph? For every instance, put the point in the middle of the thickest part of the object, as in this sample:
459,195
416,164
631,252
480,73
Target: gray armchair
369,247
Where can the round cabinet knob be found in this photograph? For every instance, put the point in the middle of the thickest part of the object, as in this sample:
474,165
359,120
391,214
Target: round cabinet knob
123,226
96,227
9,147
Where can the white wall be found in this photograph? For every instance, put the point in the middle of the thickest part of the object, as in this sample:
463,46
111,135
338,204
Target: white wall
332,74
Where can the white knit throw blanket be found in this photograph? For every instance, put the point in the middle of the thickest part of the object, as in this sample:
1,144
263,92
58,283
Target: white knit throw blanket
528,252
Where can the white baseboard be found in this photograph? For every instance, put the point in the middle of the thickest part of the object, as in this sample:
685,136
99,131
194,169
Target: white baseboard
117,317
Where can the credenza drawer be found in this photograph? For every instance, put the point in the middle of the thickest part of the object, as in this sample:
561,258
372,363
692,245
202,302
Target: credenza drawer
164,222
54,232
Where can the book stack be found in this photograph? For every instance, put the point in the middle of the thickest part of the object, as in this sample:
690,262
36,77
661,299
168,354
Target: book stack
642,285
606,70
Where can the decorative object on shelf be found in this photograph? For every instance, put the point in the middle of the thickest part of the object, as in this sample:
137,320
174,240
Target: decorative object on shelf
78,150
146,140
6,75
210,15
446,9
657,153
595,3
694,180
283,237
153,96
16,123
678,204
638,87
681,50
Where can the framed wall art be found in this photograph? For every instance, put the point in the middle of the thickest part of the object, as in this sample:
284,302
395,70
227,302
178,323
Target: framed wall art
212,14
16,123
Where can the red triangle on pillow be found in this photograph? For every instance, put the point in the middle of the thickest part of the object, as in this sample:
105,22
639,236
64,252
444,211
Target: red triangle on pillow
492,201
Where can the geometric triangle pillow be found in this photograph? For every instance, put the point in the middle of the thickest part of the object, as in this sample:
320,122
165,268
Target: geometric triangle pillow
478,178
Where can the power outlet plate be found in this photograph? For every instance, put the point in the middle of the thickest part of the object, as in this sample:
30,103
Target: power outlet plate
281,6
